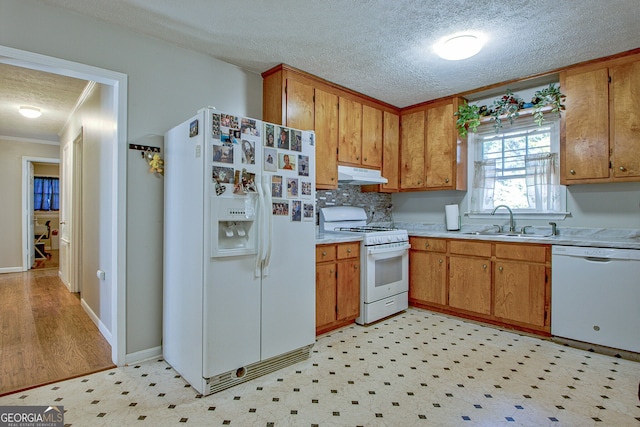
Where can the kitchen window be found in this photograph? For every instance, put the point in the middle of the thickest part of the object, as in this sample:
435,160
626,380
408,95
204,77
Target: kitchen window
517,167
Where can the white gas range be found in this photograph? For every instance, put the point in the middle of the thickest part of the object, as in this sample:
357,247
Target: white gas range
384,257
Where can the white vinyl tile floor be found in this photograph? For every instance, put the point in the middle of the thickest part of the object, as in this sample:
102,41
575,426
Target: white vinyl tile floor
415,369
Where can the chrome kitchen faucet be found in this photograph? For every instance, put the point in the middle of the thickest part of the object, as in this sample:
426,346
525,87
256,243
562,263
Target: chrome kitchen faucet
512,223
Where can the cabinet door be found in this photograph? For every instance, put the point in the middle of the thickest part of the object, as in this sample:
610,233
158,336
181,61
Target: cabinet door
625,90
427,277
371,137
520,292
470,284
439,146
325,294
412,154
350,131
586,144
326,126
390,150
348,289
299,105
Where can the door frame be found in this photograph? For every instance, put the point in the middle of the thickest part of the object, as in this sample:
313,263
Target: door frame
117,279
27,208
76,211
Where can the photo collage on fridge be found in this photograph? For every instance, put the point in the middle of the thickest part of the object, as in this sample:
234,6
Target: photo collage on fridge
283,162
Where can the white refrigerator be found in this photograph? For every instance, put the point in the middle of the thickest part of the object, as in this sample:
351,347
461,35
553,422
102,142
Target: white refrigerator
239,248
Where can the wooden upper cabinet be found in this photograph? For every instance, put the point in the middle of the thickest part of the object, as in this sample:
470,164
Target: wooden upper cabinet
326,126
390,151
299,105
432,156
440,147
585,151
349,131
625,123
412,152
600,141
372,137
350,127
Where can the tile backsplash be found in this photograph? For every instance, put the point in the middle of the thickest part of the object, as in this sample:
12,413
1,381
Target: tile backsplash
376,205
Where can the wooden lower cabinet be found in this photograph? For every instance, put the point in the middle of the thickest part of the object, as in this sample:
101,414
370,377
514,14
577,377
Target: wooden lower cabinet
470,284
507,284
337,285
522,289
428,271
520,292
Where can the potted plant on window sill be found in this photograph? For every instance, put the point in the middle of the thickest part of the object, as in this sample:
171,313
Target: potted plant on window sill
510,107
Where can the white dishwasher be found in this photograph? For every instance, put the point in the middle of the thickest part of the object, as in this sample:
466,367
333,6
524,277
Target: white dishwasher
595,296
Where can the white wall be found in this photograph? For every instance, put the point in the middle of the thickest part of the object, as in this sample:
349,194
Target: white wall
95,117
591,205
11,153
166,84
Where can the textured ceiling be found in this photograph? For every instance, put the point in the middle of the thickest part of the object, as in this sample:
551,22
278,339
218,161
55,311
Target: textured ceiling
53,94
382,48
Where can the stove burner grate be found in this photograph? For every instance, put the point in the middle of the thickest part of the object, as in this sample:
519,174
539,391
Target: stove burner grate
365,229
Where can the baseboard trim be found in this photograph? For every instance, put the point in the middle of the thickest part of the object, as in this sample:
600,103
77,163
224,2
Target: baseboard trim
11,270
101,326
142,355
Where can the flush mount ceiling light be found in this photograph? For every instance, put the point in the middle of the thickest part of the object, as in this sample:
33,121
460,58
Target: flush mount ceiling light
30,112
460,46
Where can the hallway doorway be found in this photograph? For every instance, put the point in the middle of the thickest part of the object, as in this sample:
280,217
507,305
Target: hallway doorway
105,251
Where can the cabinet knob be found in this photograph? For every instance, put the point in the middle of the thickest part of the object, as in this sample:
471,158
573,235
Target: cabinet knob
440,260
355,267
357,157
333,179
484,266
622,168
446,180
331,271
324,253
572,172
500,268
365,159
426,245
348,250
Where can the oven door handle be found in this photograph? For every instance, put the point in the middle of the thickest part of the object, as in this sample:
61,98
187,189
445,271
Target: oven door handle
399,249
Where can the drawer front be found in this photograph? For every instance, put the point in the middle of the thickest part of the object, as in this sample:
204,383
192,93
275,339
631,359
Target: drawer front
325,253
428,244
531,253
348,250
466,247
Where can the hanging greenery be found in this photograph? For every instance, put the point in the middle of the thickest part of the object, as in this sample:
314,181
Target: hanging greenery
508,107
468,118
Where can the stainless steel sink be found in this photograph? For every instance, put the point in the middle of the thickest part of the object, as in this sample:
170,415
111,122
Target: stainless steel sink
507,234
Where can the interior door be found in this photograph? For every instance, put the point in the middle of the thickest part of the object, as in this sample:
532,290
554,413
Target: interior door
75,264
30,220
65,215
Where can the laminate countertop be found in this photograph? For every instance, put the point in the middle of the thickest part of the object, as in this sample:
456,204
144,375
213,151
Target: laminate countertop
327,238
568,236
622,238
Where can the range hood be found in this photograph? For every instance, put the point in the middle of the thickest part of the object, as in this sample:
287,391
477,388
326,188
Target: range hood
359,176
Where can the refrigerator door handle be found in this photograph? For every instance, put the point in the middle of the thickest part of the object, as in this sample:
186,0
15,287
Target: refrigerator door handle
268,228
261,208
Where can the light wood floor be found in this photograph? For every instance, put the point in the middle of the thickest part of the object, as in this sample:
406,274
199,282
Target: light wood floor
45,334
